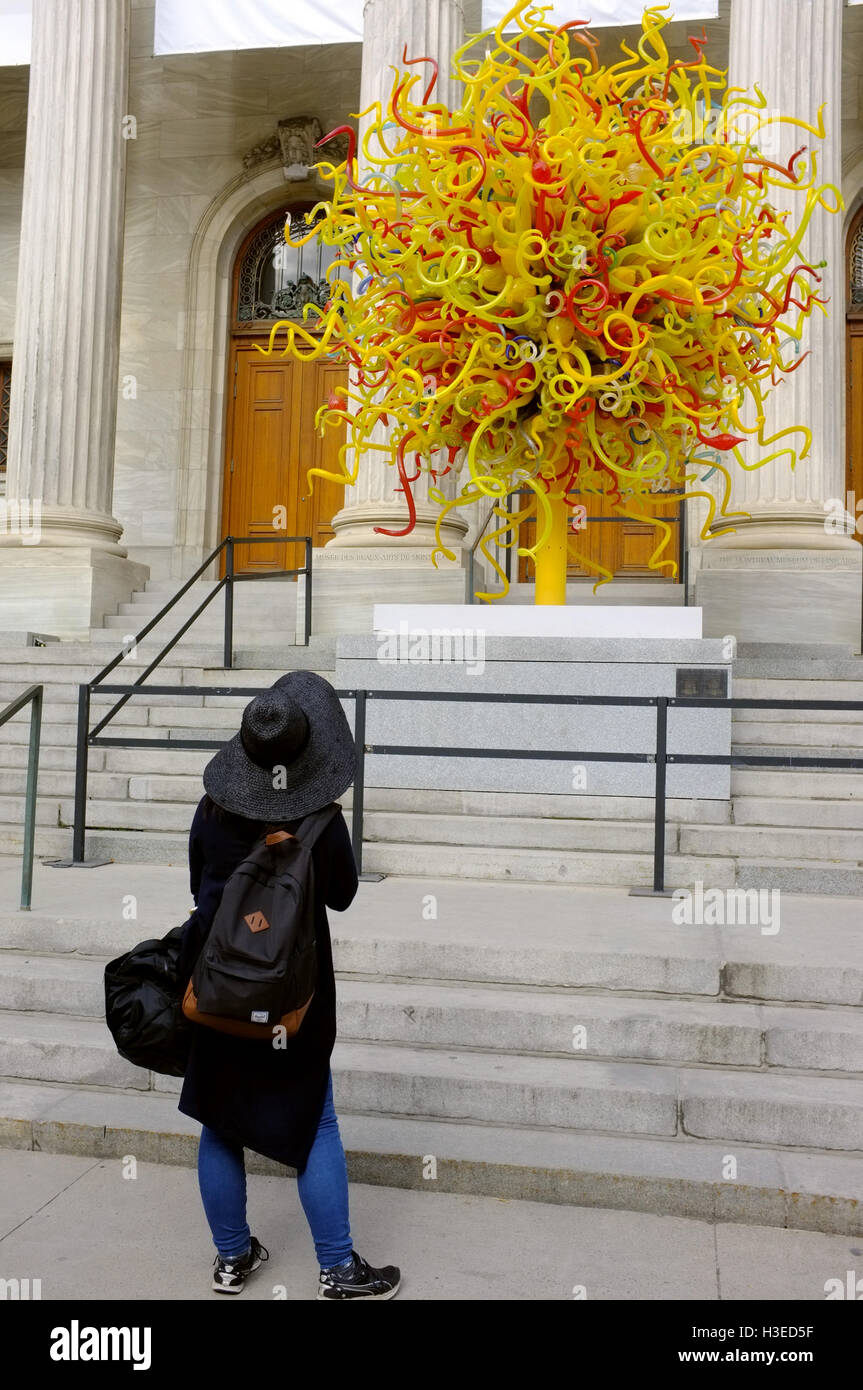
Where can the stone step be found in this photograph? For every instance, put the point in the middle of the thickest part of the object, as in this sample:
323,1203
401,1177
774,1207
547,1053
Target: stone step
52,783
131,815
615,1097
803,782
168,585
517,832
143,775
796,811
646,1029
62,733
818,753
797,732
493,1019
162,710
61,679
152,776
519,935
795,651
52,758
179,762
540,865
278,655
789,876
839,668
47,811
803,717
149,839
569,1093
802,856
754,689
208,627
58,1047
773,842
683,1176
61,701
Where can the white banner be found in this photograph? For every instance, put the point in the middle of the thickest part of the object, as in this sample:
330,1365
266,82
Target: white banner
206,26
603,12
199,26
15,21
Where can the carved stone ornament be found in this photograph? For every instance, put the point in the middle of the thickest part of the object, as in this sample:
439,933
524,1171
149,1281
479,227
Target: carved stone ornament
294,142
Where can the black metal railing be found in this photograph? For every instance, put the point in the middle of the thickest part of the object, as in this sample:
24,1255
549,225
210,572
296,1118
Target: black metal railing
678,520
32,697
659,756
86,735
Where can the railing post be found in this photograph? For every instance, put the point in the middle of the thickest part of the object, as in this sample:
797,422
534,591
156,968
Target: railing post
359,777
307,620
80,823
659,795
30,801
683,558
228,656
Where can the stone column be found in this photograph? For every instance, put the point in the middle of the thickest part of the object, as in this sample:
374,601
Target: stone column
360,567
66,345
781,575
433,28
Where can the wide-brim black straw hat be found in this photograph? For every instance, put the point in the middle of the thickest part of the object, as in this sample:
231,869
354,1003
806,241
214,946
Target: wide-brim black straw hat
293,755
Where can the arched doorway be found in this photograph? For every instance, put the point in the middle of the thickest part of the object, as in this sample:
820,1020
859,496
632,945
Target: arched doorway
270,437
854,372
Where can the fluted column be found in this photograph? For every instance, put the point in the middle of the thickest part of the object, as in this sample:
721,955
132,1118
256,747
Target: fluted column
781,575
793,52
64,388
433,28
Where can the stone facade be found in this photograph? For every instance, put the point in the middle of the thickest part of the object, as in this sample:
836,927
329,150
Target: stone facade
214,144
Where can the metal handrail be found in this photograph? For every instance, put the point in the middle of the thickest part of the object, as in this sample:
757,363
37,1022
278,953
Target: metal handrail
660,756
33,697
471,555
85,734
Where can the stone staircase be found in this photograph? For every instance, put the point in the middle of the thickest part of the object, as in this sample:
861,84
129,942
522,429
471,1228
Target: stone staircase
699,1045
554,1044
797,830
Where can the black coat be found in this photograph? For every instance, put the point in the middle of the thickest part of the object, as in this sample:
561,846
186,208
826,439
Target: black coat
268,1099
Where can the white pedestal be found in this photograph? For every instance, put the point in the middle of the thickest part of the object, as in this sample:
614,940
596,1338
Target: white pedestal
538,666
543,621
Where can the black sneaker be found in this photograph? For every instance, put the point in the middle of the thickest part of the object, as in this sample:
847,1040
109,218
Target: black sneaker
358,1280
229,1276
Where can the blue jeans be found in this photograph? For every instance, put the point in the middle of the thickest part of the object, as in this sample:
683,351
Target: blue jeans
323,1189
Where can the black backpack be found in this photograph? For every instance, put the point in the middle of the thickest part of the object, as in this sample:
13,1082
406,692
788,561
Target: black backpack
143,1007
257,971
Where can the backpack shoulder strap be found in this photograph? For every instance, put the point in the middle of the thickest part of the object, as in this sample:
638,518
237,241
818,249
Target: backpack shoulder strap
313,826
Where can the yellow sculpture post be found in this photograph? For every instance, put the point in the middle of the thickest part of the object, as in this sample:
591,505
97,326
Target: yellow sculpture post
551,557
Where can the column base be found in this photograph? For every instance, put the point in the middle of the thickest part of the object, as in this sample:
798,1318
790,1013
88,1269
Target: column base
355,526
347,583
782,595
63,590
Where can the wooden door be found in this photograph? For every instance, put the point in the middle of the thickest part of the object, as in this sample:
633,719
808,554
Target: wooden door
622,546
272,443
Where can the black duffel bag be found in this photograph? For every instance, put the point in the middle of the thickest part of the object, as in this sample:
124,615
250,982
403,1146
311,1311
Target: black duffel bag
143,1005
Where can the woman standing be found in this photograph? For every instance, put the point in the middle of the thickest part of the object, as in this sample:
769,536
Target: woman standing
294,755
